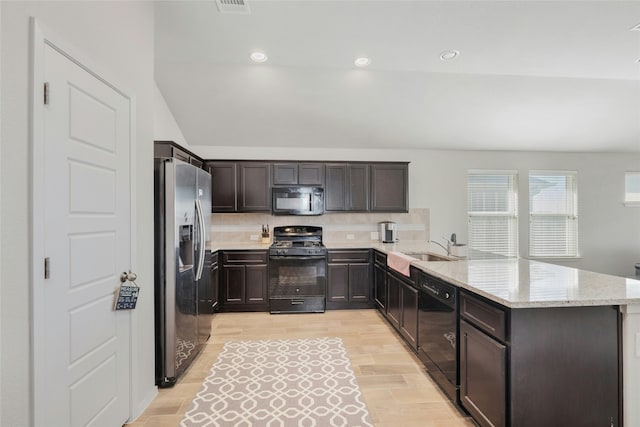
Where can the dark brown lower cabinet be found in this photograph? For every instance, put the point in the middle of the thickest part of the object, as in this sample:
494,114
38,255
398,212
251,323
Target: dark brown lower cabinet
380,287
402,307
214,285
349,279
483,376
256,284
244,281
394,304
531,367
409,316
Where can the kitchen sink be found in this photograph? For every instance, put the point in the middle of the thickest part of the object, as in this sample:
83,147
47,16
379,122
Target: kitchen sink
429,257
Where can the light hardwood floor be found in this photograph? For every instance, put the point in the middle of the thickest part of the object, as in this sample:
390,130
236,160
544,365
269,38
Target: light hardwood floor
396,388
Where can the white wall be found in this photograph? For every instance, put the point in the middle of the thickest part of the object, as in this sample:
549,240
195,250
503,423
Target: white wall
609,232
165,127
117,38
0,221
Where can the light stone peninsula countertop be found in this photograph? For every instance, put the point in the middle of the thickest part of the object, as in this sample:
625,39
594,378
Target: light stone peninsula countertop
512,282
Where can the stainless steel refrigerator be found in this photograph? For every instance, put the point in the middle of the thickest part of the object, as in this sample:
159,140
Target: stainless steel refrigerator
182,218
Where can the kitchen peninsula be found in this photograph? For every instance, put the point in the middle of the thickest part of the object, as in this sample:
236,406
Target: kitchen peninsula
550,315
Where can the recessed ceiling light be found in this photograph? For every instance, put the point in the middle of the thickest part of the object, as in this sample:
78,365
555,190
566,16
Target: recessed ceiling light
258,57
447,55
363,61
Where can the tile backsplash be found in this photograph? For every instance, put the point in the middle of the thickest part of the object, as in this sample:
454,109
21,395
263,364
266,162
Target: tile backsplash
235,227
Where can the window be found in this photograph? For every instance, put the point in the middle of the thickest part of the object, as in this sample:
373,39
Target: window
632,188
553,214
493,211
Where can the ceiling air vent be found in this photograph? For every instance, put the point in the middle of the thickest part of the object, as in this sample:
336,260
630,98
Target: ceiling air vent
233,6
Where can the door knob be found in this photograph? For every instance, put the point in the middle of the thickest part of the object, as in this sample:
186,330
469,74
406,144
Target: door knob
131,277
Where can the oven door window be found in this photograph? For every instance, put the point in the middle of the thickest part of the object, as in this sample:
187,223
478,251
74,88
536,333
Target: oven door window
297,276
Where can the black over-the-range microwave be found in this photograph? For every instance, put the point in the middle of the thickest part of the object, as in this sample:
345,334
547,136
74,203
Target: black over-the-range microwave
300,200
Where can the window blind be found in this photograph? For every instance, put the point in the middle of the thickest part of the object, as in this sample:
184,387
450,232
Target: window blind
553,214
492,210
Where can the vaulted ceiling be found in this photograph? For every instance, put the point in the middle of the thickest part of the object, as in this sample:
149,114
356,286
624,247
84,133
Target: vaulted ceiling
530,75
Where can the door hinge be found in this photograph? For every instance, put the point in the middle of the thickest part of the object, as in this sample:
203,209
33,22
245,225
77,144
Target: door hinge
46,268
46,93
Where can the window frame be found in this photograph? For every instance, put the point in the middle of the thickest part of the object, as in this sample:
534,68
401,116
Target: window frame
510,214
573,228
627,201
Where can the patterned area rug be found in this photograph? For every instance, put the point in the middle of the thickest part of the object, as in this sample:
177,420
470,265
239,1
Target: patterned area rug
280,383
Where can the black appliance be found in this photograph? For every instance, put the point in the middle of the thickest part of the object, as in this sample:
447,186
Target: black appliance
301,200
297,270
438,333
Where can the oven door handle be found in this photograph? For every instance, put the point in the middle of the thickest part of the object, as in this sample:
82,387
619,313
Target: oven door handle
298,257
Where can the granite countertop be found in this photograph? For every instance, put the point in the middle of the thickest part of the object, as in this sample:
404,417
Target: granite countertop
523,283
512,282
239,246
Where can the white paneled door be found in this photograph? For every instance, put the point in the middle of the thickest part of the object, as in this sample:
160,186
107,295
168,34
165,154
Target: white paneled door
86,239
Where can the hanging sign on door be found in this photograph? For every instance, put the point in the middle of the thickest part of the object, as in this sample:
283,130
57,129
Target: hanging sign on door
126,294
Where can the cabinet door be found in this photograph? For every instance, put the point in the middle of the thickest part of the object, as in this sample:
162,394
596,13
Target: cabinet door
380,287
393,301
285,173
256,284
254,193
389,187
359,282
409,316
335,191
483,363
311,174
224,186
234,284
358,188
337,282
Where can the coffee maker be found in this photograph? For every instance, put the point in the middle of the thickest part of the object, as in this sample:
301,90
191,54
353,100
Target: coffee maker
388,231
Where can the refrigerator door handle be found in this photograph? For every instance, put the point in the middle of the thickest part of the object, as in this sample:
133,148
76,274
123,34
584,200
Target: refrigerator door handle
200,216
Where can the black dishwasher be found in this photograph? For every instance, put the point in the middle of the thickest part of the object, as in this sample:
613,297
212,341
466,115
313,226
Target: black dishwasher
438,333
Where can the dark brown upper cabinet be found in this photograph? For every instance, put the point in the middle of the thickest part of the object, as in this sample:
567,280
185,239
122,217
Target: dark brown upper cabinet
240,186
298,174
172,149
245,186
347,187
224,186
389,187
254,191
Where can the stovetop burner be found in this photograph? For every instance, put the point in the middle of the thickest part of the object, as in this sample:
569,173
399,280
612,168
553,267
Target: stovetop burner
292,243
297,240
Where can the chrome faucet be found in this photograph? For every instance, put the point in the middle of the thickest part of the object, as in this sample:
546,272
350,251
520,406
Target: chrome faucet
446,248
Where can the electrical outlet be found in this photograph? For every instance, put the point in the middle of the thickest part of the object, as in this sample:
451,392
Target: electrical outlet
254,237
375,235
350,237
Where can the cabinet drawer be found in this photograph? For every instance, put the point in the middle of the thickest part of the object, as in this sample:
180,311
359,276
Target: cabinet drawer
380,258
486,317
214,259
349,256
245,257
